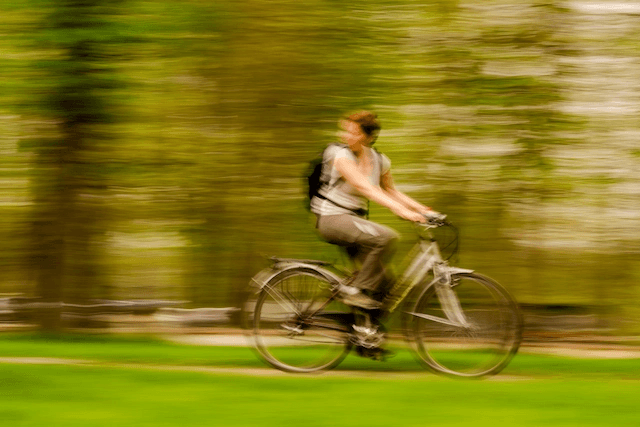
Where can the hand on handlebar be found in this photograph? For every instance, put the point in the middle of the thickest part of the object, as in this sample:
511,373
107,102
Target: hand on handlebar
435,217
431,215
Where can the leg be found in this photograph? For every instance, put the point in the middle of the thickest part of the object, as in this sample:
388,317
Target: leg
376,245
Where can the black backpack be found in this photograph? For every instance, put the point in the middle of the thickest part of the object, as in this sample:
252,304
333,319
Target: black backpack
313,179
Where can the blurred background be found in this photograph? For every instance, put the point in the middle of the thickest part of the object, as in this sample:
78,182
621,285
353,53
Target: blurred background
153,151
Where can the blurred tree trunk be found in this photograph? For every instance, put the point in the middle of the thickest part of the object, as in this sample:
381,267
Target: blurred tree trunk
275,90
67,184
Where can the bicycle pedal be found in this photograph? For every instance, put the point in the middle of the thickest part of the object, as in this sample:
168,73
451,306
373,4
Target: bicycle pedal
293,329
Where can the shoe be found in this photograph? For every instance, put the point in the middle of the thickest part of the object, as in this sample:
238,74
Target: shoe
367,337
354,297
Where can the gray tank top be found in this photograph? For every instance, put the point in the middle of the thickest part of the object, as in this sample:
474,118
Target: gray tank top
337,189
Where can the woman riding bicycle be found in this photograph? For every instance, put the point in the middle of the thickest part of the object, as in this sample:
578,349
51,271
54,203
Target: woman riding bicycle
458,322
353,175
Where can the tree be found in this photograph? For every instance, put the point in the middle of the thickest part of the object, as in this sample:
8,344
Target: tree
68,177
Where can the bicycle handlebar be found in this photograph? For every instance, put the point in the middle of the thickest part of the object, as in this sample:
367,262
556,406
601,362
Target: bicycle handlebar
436,220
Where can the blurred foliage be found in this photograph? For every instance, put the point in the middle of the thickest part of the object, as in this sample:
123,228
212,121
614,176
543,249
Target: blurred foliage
155,149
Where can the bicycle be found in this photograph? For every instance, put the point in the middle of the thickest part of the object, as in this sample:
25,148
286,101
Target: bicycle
457,322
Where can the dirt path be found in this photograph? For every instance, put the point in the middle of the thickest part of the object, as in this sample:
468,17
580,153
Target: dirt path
572,350
579,350
147,366
252,372
567,349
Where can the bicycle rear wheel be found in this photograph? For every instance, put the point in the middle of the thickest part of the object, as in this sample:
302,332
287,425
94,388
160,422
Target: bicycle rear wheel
476,339
296,325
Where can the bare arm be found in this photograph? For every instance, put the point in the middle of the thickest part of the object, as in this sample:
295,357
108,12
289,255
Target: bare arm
389,188
349,170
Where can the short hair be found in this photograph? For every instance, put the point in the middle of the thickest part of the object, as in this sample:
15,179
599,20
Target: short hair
367,121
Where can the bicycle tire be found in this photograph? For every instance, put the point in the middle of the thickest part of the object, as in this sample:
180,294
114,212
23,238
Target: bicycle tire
485,346
290,329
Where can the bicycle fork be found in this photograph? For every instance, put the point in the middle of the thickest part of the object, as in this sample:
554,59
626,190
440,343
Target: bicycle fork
449,302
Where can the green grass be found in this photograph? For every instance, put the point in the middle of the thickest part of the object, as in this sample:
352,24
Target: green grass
155,351
97,396
534,390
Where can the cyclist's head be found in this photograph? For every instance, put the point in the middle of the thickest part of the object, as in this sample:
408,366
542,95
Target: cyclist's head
368,123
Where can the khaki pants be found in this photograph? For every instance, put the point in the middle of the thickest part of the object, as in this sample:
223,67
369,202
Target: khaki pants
369,244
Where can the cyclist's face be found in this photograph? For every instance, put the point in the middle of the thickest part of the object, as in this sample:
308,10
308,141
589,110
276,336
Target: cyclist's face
352,134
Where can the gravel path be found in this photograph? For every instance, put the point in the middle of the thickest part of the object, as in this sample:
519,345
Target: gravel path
252,372
576,350
566,349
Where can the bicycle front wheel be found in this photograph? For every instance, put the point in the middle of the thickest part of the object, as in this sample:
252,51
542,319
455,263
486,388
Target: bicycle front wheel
297,326
471,329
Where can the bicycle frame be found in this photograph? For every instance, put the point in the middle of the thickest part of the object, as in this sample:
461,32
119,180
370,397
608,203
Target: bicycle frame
426,258
427,289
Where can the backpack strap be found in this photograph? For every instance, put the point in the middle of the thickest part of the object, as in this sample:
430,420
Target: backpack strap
359,212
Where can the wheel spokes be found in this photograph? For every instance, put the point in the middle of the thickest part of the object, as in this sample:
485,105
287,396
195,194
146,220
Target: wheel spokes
282,300
472,329
293,329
